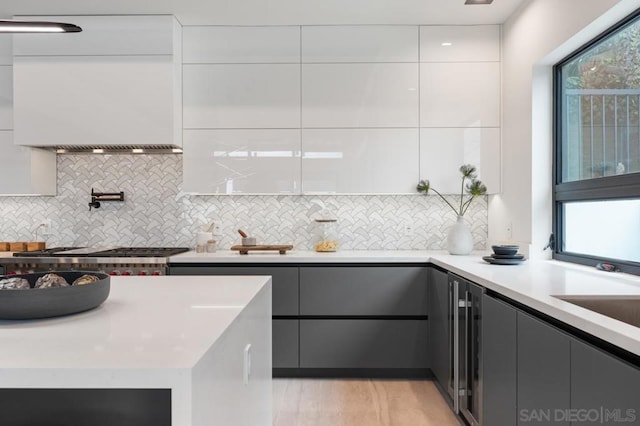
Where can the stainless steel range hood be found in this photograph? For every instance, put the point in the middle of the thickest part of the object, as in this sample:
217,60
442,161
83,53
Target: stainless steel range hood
14,26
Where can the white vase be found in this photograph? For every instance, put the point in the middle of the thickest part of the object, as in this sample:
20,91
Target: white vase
459,239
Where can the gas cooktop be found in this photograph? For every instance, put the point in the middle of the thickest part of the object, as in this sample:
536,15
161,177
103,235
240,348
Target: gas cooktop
104,252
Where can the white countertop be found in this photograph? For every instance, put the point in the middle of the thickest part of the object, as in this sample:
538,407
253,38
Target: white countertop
164,322
532,283
306,256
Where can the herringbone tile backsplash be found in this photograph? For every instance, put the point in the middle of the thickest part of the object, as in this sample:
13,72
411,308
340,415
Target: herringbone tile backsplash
157,213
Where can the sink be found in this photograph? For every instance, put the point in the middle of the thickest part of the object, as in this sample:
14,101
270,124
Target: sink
622,308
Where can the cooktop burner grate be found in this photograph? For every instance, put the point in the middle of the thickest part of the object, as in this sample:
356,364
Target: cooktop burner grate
44,253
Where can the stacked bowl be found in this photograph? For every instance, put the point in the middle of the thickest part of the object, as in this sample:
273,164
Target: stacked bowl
505,255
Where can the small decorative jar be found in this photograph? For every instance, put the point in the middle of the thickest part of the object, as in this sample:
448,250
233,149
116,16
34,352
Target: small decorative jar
326,237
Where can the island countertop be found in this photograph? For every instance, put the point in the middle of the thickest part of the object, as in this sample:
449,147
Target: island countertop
162,332
147,322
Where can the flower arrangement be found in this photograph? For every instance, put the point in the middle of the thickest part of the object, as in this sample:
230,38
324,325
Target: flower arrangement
474,188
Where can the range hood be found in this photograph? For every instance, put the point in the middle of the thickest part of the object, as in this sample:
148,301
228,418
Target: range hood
14,26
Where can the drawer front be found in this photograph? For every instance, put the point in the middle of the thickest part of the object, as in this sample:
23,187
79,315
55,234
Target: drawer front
284,280
285,343
374,291
363,344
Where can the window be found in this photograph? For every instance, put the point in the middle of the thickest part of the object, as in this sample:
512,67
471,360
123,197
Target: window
597,150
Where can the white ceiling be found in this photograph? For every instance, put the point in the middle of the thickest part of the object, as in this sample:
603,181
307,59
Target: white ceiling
279,12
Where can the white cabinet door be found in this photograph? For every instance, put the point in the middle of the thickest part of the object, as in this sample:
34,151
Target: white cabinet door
26,171
353,43
241,96
241,161
458,43
359,95
97,100
443,151
359,161
465,94
237,45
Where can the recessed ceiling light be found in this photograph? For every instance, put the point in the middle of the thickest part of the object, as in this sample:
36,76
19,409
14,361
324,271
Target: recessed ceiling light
446,43
478,2
177,150
98,151
137,150
60,151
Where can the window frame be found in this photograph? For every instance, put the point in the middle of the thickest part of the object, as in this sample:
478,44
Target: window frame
618,187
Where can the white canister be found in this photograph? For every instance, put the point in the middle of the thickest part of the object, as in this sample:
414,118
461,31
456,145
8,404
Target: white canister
201,241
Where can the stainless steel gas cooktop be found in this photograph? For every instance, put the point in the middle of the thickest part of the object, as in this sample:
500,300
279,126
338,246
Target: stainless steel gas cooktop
104,252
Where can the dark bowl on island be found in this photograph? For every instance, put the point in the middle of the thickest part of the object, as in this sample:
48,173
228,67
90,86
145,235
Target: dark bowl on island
36,303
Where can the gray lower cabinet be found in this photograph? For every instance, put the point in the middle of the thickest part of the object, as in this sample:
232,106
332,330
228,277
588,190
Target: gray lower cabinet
367,290
499,362
285,334
439,326
544,372
604,389
284,282
370,343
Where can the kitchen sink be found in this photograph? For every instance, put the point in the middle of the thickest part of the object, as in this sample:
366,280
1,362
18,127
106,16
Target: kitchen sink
622,308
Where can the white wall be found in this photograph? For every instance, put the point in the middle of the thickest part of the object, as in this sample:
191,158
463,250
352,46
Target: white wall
535,37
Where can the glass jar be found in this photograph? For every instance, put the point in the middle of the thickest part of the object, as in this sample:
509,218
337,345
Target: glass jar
326,237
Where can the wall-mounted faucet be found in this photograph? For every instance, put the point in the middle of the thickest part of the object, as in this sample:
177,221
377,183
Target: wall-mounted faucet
96,197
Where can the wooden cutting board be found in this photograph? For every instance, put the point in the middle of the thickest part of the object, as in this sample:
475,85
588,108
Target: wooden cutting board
282,249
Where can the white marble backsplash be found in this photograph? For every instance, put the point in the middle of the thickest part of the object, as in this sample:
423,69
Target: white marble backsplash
157,213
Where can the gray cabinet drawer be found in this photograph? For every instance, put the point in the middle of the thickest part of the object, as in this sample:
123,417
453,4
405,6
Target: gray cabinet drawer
284,279
363,344
285,343
371,290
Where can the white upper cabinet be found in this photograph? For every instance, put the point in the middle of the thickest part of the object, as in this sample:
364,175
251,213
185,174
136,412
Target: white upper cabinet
119,85
360,161
443,151
241,96
376,43
345,109
461,94
475,43
242,161
239,45
360,95
26,171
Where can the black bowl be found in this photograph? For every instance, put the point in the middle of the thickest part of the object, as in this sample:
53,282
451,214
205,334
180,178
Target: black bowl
52,302
508,250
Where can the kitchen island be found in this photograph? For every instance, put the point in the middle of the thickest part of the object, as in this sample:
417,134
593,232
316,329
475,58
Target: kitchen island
201,345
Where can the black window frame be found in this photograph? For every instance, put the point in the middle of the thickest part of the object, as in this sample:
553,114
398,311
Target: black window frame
618,187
